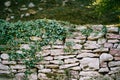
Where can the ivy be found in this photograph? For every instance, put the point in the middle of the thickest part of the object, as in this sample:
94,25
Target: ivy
13,35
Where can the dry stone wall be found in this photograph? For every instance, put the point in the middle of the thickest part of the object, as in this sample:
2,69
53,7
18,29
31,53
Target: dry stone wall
83,56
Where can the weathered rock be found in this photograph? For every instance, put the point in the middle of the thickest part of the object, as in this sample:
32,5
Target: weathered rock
89,63
103,64
42,76
4,67
25,46
34,38
94,36
85,78
19,76
43,62
76,68
7,3
74,74
57,47
91,45
4,72
33,76
89,73
114,63
118,47
57,62
23,9
77,46
8,62
117,58
68,65
113,41
115,45
115,52
48,58
103,70
31,5
79,36
97,27
108,45
40,66
4,56
112,28
106,57
101,50
101,41
113,36
83,55
78,41
45,71
115,68
52,66
72,60
64,57
18,66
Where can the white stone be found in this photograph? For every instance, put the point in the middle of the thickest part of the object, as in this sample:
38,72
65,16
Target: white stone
71,60
7,3
103,70
4,67
34,38
31,5
27,14
89,63
40,66
4,56
83,55
4,72
68,65
33,76
112,28
23,9
114,63
106,57
113,41
25,46
12,17
77,46
52,66
45,71
118,47
115,68
89,73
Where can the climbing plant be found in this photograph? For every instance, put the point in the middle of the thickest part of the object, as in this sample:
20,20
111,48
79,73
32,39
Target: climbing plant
34,34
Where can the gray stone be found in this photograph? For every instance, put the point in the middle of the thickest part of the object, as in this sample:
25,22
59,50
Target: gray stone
101,50
23,9
40,66
19,76
89,63
57,62
4,67
45,71
106,57
78,41
8,62
4,56
42,76
103,70
7,3
77,46
4,72
71,60
89,73
33,76
118,47
52,66
83,55
18,66
114,63
31,5
91,45
76,68
115,68
94,36
64,57
113,41
112,28
101,41
25,46
49,58
68,65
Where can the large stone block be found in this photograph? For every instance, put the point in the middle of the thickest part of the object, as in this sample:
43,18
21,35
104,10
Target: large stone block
89,63
4,67
4,56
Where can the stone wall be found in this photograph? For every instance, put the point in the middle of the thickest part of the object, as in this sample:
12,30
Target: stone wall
82,56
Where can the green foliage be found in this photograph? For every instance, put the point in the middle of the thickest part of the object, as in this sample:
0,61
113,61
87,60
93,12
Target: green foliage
13,35
87,31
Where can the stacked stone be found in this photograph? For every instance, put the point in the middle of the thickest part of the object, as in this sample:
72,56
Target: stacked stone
94,55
